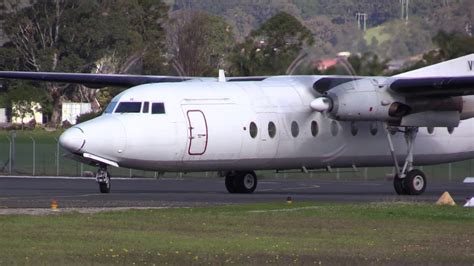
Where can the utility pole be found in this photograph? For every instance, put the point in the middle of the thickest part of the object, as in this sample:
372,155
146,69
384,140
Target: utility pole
468,29
361,20
404,13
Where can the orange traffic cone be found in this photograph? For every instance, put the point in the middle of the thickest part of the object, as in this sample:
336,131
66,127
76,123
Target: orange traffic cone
446,199
54,205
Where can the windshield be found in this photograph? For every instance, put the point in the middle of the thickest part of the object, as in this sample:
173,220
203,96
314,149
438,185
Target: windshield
110,108
129,107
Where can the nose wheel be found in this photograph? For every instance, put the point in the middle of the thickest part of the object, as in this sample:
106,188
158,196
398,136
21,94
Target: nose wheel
103,178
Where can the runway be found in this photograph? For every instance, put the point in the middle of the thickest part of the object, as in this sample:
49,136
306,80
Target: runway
38,192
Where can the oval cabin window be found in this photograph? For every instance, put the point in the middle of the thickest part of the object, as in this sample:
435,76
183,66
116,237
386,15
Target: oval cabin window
314,128
374,128
253,130
334,128
271,129
354,128
295,129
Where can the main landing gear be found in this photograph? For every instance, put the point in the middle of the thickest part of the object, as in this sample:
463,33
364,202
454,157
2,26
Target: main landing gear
241,181
103,178
407,181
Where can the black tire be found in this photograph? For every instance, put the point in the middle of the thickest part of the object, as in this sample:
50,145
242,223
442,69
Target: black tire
105,186
246,182
399,186
230,183
415,182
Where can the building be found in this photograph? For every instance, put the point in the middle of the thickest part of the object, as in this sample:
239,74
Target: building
71,111
24,112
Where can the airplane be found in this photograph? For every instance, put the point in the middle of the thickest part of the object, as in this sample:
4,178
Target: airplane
237,125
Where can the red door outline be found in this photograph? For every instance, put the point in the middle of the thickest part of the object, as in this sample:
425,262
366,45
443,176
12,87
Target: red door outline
198,135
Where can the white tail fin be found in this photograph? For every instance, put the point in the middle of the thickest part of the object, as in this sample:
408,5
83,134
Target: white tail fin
461,66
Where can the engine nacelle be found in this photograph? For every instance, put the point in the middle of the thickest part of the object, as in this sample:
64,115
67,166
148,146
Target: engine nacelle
361,100
467,110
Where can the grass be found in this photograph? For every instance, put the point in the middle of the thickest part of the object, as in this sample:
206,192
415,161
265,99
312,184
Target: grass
304,233
377,33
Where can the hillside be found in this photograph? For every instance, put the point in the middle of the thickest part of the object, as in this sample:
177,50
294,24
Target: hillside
334,23
336,28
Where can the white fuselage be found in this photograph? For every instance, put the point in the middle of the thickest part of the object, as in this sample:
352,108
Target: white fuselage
211,125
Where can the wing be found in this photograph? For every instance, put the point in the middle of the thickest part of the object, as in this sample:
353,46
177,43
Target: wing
451,78
434,86
92,80
103,80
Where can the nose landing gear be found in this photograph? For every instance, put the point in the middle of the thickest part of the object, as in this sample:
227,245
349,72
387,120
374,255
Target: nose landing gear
103,178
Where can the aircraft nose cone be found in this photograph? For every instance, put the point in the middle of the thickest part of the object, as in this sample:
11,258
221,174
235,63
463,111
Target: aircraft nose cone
72,139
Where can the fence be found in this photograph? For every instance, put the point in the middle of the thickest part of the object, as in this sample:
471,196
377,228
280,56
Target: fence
39,154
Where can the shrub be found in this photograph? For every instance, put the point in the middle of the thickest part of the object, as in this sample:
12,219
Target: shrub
86,116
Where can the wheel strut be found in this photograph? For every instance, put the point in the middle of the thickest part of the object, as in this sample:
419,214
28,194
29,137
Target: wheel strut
407,181
410,136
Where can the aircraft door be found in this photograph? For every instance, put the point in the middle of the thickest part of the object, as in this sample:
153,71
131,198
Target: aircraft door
198,132
214,133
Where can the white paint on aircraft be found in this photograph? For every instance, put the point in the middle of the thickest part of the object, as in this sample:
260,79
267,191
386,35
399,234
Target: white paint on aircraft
237,125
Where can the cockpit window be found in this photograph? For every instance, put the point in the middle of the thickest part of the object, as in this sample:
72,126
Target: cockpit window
110,108
157,108
146,108
129,107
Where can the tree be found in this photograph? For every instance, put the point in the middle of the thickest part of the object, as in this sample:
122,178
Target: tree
76,36
271,49
22,99
453,44
449,45
366,64
198,42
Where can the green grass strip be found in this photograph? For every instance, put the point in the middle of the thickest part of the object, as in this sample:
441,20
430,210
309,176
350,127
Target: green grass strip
308,233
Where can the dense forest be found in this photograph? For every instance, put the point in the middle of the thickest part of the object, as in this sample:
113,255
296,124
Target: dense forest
335,26
196,38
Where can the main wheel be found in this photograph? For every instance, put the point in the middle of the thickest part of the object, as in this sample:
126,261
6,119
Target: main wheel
104,183
415,182
241,182
231,183
247,182
399,185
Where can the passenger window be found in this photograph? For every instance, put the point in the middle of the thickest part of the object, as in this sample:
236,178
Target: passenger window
146,107
373,128
129,107
157,108
271,129
354,128
253,130
295,129
334,128
314,128
393,130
